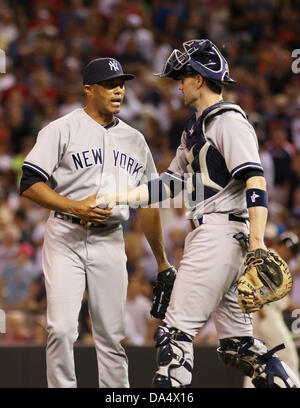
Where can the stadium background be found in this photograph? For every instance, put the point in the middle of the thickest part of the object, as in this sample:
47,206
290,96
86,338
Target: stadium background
46,44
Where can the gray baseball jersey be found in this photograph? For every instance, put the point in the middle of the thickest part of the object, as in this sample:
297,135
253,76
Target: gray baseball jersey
78,158
214,157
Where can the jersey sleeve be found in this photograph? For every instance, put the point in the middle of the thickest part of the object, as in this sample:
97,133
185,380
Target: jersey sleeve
237,142
45,156
30,177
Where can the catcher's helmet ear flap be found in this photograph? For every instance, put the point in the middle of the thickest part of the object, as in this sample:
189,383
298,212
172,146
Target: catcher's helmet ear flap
290,240
199,56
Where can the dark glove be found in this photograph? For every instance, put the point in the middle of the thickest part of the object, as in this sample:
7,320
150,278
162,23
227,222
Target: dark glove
162,292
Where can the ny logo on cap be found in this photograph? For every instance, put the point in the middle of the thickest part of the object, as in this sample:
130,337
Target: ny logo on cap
113,65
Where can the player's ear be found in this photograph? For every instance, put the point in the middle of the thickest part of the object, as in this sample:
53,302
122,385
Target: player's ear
88,90
199,80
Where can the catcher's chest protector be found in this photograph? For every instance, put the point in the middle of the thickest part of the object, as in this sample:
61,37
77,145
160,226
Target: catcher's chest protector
202,156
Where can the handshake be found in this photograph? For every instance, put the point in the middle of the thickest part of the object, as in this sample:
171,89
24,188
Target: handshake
106,200
138,196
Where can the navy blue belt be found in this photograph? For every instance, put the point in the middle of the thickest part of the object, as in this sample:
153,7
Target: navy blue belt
231,217
75,220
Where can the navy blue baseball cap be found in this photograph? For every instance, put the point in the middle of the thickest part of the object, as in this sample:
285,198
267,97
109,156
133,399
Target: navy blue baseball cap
103,69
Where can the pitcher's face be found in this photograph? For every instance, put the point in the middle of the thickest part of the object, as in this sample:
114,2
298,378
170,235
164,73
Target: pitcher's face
109,95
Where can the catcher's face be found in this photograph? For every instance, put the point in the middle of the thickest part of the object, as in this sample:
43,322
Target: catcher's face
189,87
107,96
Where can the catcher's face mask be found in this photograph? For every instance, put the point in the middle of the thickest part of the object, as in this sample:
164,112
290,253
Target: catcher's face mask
176,61
201,56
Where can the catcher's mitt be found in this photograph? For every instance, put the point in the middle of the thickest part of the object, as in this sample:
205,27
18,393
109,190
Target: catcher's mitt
162,292
266,278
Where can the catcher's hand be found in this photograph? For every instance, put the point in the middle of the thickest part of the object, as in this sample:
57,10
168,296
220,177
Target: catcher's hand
162,292
106,200
266,278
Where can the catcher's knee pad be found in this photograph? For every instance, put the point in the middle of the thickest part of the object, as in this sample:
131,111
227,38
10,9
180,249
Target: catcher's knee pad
252,357
173,349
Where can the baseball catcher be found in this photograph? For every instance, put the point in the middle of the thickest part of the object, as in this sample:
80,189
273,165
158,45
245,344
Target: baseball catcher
219,155
267,278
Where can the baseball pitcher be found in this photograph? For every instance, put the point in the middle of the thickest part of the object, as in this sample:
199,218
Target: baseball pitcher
75,157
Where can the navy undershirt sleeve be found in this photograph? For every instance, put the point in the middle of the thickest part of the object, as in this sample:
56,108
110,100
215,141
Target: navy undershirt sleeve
29,178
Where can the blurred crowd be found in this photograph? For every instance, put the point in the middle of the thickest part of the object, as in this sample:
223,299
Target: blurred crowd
48,42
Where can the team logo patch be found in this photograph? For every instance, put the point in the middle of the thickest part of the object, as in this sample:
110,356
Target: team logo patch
254,197
113,65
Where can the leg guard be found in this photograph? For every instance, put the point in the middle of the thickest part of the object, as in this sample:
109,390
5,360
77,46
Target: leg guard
173,349
251,356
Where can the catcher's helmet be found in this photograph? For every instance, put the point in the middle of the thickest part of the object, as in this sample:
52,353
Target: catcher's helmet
199,56
290,240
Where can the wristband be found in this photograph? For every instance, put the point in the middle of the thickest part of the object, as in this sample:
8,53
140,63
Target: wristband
256,198
157,191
